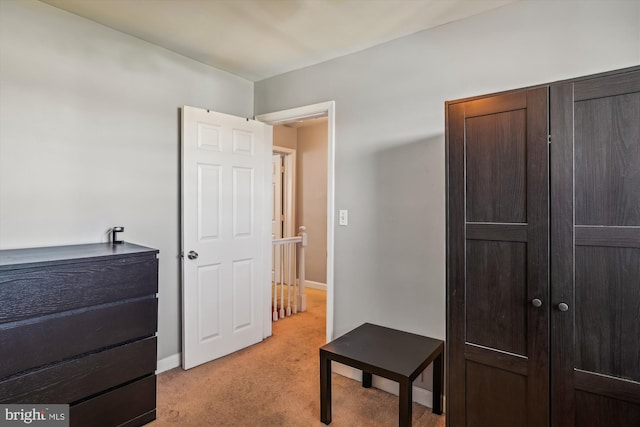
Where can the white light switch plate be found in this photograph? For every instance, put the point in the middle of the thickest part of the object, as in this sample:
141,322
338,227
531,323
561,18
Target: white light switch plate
343,218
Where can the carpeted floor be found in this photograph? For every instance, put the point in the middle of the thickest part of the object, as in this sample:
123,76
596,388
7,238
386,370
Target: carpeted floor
276,383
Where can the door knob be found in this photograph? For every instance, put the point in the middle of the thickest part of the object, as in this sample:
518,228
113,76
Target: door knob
536,302
192,255
563,307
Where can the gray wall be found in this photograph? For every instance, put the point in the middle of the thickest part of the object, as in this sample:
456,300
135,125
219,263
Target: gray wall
390,168
89,137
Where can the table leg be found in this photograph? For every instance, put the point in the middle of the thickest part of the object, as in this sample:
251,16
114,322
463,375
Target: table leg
437,386
366,379
406,398
325,388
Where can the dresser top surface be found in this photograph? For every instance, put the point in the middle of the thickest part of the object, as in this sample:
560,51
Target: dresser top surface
12,259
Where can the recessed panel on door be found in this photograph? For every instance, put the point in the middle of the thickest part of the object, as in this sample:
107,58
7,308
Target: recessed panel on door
487,390
209,136
243,188
243,287
496,167
242,142
607,165
598,410
607,294
496,290
208,296
209,201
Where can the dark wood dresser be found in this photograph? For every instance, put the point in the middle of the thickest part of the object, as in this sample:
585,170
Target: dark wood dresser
78,326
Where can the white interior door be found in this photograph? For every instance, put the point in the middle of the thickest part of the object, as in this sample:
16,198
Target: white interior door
226,236
276,220
288,190
276,179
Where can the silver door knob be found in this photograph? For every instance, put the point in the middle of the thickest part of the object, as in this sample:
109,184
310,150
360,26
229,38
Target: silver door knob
563,307
536,302
192,255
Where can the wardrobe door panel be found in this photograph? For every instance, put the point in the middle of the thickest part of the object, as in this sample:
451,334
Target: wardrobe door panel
487,390
607,165
496,167
607,339
496,286
597,410
497,156
595,241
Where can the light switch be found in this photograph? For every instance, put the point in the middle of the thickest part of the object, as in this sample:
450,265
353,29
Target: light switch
343,217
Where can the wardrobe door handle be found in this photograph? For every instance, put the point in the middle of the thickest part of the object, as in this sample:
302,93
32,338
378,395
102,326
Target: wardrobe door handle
536,302
563,307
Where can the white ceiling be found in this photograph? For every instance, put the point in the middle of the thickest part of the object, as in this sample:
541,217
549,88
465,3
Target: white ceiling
257,39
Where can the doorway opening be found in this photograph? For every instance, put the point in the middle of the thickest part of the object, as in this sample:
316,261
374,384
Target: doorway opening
310,116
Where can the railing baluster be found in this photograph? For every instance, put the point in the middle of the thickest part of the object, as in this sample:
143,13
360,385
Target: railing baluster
287,272
289,279
275,284
281,281
303,297
295,279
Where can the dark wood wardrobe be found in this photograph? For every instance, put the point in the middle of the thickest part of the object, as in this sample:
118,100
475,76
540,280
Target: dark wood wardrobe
543,255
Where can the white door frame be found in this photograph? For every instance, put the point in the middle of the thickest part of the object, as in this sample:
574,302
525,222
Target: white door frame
306,112
289,155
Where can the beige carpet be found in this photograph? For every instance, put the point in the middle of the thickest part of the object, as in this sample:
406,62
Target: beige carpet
276,383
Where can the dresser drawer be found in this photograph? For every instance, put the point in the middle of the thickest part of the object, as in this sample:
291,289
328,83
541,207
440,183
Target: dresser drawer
75,379
128,406
33,292
28,344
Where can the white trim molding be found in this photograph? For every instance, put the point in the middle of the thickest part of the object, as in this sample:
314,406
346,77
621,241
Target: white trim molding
168,363
315,285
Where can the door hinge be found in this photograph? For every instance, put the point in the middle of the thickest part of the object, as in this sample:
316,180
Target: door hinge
549,139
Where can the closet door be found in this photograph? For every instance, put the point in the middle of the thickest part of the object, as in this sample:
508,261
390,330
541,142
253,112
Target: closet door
498,308
595,252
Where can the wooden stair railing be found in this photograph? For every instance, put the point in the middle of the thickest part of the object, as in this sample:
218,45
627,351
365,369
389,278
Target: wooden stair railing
288,271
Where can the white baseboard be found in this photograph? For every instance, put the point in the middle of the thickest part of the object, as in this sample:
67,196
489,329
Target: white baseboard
167,363
315,285
420,395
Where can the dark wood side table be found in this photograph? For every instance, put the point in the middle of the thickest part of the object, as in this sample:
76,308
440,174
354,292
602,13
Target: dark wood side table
389,353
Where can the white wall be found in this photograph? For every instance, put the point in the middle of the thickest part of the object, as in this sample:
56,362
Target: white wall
89,137
390,168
